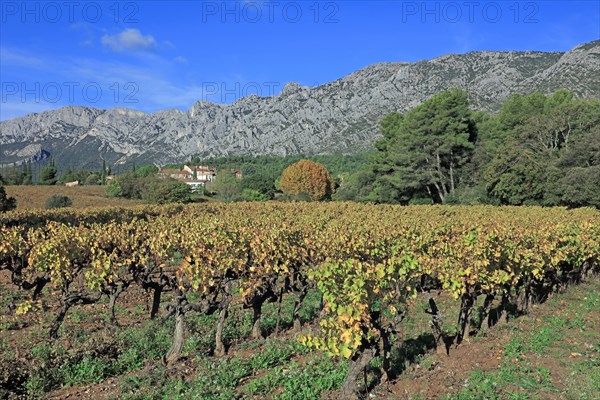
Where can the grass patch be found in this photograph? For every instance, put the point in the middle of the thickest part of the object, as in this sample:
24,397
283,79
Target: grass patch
273,371
563,336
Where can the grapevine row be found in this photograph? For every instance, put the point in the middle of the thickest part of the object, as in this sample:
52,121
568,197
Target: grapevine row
368,262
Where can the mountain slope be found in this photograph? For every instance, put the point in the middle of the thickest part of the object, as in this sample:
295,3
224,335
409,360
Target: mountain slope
340,116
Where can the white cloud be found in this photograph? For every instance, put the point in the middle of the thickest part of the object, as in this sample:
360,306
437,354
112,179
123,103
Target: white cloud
168,44
19,58
180,60
129,40
156,88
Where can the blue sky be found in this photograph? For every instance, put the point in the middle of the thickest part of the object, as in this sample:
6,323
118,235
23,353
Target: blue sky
150,55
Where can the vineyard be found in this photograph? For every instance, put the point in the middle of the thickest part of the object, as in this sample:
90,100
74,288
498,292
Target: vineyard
30,197
361,268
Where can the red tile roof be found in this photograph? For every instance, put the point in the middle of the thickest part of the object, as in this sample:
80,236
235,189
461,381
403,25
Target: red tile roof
200,168
172,172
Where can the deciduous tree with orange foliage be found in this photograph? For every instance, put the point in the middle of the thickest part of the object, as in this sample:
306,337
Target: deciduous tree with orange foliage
307,177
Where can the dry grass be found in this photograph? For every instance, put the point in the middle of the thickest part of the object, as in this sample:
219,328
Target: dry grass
31,197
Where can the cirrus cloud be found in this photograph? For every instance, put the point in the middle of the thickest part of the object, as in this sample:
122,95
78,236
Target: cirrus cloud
180,60
129,40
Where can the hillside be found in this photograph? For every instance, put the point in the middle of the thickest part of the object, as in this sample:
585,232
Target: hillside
341,116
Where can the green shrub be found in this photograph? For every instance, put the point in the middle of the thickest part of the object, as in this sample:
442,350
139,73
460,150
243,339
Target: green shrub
92,179
88,370
6,203
161,191
151,189
261,183
227,187
113,189
252,195
150,342
58,201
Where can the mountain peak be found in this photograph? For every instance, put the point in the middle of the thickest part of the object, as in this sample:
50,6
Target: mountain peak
340,116
291,88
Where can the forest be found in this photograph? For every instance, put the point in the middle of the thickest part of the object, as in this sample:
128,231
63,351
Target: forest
536,150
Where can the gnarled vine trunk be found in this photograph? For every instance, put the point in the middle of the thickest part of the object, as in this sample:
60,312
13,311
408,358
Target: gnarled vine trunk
257,312
69,300
279,304
485,311
297,324
178,336
358,363
464,316
113,297
224,309
436,327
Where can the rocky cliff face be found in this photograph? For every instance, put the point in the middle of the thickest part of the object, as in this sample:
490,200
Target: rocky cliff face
340,116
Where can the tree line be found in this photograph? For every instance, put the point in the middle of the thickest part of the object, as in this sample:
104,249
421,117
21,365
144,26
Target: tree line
48,174
537,150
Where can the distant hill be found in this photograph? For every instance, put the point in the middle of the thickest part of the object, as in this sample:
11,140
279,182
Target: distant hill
341,116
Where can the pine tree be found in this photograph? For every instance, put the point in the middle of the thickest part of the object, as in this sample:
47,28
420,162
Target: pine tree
103,173
6,203
423,151
48,174
30,172
26,174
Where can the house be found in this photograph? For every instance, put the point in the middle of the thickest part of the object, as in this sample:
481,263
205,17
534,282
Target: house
201,173
195,176
174,173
